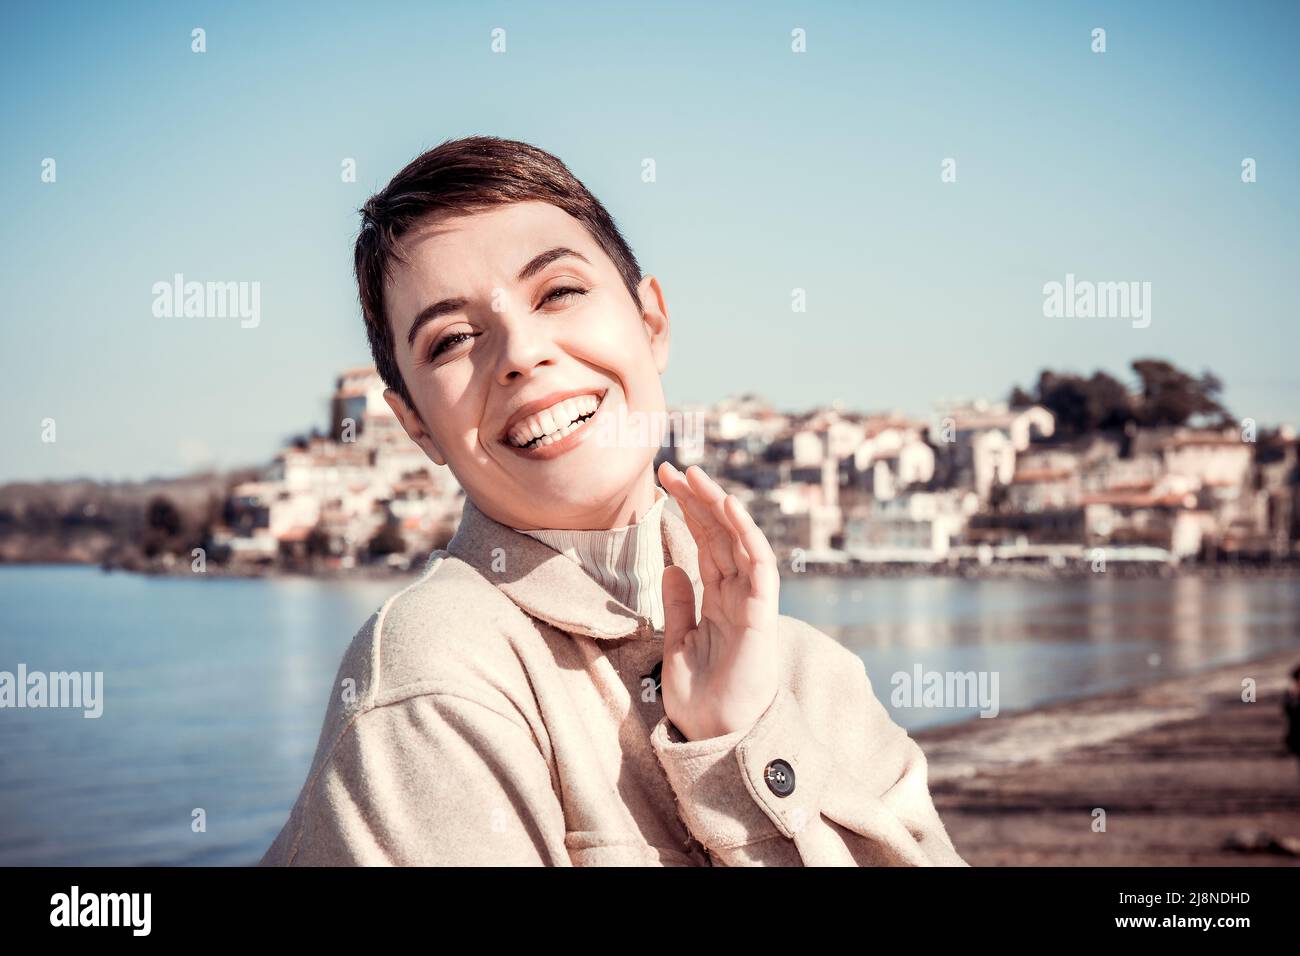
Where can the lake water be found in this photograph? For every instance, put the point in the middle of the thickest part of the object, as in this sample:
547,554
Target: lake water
215,689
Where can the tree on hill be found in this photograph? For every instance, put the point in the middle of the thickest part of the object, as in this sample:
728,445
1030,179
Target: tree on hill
1165,395
1170,396
1084,405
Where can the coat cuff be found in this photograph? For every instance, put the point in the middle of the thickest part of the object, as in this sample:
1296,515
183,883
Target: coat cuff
721,783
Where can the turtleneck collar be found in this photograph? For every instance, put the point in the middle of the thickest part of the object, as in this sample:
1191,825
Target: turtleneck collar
628,562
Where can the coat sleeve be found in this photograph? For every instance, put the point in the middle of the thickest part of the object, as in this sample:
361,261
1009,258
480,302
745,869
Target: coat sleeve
868,806
433,780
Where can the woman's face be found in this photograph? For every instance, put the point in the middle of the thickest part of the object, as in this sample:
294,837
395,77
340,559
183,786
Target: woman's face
515,334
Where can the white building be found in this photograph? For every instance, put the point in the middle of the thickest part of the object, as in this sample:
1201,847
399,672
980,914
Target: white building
983,440
912,527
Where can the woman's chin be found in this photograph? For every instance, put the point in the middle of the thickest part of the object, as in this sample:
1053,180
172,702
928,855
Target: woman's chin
576,502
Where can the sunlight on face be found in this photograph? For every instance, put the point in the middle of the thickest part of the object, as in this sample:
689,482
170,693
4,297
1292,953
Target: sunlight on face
500,313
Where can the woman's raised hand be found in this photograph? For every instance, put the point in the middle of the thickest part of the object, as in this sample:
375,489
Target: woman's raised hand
719,673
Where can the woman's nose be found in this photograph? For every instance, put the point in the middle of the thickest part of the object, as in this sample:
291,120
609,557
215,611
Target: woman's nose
526,345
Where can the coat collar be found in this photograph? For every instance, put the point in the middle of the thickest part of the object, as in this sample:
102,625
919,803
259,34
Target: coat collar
551,587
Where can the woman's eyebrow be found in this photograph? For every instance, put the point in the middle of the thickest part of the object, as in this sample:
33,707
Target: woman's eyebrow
544,259
431,312
535,265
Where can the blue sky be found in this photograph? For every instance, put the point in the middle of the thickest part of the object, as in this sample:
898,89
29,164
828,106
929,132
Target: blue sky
776,170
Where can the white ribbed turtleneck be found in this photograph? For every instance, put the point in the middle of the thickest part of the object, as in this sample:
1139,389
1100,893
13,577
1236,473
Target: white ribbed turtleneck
628,562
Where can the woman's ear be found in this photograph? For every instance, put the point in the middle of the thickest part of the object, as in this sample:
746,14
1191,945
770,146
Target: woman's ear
654,316
413,426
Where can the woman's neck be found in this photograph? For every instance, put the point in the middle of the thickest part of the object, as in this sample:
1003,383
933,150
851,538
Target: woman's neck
618,512
627,560
626,511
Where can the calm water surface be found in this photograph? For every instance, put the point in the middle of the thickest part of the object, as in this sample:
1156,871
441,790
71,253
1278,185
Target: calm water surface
215,689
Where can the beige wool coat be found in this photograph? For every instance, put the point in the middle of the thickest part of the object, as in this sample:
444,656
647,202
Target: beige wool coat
502,710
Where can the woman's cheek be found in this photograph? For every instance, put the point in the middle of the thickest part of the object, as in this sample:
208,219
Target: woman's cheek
610,342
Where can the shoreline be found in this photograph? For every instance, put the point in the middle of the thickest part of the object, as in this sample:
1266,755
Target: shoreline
1041,571
180,569
1187,773
1008,570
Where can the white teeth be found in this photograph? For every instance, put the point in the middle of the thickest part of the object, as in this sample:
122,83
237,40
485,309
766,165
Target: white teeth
552,424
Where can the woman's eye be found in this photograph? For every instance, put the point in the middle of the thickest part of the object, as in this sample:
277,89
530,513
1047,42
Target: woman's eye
563,292
449,341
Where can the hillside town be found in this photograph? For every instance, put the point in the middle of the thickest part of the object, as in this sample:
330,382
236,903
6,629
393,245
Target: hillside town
977,484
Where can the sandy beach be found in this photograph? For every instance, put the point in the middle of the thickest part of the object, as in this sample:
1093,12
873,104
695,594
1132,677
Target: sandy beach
1187,773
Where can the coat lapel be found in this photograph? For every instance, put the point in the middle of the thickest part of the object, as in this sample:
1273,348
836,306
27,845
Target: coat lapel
556,589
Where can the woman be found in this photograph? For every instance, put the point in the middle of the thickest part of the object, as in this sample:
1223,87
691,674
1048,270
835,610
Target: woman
582,677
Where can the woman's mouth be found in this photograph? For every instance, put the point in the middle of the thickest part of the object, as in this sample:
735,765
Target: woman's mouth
555,428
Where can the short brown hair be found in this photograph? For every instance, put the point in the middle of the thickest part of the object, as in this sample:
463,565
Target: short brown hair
462,176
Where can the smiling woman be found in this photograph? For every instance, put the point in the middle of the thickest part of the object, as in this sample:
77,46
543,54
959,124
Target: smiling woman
499,315
502,712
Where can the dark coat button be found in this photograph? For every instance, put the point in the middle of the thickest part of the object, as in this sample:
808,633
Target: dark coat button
780,778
